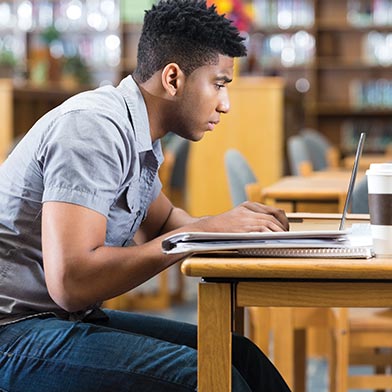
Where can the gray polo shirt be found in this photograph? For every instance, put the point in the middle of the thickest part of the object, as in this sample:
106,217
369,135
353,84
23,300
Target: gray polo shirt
94,150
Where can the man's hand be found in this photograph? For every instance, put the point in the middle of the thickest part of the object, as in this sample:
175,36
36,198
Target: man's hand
247,217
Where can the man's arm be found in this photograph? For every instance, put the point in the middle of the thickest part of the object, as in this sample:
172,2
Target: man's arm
163,217
80,270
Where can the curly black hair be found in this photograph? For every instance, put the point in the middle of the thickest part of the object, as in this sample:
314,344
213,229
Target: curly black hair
186,32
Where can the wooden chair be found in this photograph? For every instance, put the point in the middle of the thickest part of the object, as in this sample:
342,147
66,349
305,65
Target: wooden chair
310,151
298,155
333,157
360,337
253,192
323,155
239,175
363,337
281,333
305,168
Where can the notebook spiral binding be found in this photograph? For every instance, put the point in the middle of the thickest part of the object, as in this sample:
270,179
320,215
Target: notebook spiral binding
354,252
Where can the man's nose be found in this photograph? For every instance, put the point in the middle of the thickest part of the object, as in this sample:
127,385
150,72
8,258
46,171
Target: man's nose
224,104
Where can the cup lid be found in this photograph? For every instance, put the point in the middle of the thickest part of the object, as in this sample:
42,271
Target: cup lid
384,169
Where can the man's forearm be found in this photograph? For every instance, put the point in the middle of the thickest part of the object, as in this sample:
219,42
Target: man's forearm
176,219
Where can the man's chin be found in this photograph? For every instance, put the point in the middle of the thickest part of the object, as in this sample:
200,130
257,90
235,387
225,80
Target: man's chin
199,135
195,136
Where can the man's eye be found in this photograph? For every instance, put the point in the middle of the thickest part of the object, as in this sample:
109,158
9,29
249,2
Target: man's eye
219,86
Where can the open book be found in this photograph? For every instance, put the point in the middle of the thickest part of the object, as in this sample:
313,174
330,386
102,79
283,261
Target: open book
352,243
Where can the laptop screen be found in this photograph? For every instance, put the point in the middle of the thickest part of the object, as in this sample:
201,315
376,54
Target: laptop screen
352,179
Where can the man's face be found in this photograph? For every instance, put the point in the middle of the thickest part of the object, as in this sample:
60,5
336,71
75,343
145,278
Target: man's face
203,99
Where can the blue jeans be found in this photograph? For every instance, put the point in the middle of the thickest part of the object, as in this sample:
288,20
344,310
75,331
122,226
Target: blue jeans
124,352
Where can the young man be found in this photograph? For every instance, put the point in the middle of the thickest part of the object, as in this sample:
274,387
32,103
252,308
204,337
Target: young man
82,217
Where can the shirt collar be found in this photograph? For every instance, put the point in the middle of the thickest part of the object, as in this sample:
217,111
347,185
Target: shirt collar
139,117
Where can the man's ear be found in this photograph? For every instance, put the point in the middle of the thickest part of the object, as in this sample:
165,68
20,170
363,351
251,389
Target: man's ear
173,79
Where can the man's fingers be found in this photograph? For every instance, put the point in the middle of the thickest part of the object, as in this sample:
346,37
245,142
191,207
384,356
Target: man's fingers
275,215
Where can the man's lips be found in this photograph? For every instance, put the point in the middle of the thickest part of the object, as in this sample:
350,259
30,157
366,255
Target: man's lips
212,124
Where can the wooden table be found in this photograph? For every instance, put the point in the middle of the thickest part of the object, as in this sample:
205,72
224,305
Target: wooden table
229,284
323,191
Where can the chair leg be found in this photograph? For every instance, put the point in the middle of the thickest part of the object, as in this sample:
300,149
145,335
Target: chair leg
284,353
332,362
300,362
379,370
260,327
342,350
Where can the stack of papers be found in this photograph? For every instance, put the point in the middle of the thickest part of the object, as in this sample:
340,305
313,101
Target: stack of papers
323,243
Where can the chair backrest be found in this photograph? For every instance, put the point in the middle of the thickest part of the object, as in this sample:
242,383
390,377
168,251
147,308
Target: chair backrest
180,149
239,174
176,149
298,155
359,198
166,170
318,147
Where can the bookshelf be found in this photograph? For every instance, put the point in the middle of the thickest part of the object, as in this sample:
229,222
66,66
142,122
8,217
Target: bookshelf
75,42
353,54
337,54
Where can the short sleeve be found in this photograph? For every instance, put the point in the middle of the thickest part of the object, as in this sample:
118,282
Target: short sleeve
83,158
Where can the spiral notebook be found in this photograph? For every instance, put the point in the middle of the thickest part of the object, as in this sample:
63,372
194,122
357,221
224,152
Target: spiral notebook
353,243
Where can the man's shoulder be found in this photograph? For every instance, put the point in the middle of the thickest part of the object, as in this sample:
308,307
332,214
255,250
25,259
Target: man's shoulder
102,99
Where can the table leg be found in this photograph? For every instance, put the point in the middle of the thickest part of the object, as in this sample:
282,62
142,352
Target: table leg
214,337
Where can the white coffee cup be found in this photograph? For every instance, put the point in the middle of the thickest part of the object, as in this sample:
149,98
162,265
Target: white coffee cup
379,177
